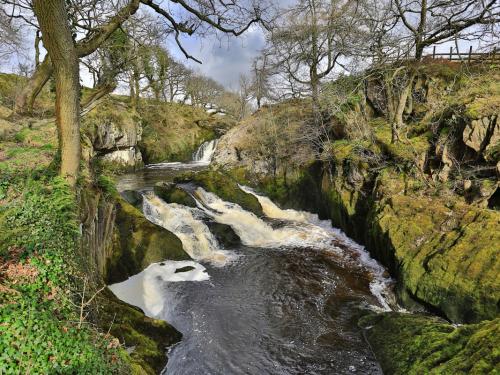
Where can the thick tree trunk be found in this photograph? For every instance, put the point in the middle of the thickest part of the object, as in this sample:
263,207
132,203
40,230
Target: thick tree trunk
53,20
25,100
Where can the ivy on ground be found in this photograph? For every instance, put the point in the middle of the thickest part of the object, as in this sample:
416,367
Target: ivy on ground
41,330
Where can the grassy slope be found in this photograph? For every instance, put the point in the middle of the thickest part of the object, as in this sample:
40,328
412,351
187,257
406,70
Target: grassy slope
40,284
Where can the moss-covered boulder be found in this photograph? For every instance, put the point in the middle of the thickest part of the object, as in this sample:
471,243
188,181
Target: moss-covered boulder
145,339
446,255
224,186
224,234
137,243
171,193
413,344
133,197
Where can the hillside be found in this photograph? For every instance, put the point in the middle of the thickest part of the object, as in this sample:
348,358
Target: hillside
426,207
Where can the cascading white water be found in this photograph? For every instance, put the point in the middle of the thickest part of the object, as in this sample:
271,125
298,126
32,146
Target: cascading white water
253,231
304,230
144,290
379,283
273,211
196,238
205,152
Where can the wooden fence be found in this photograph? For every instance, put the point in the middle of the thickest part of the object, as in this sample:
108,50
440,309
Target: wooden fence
466,56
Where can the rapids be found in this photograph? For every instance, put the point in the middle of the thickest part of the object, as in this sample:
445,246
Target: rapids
285,301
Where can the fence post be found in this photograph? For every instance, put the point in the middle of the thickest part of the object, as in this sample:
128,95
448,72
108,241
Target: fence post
470,53
451,53
434,52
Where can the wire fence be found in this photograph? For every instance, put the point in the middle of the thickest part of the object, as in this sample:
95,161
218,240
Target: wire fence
468,56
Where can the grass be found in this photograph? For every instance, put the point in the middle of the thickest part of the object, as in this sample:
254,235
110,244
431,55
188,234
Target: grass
40,280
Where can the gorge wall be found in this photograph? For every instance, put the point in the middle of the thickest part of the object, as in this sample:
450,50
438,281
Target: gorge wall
426,207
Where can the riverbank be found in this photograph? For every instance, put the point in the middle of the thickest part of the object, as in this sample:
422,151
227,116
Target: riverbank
426,207
59,250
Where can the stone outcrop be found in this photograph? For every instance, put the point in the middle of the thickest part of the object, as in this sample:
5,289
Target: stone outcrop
483,136
118,242
114,133
418,344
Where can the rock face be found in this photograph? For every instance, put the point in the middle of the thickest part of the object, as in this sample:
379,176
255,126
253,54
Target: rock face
232,150
443,252
118,242
128,157
410,344
114,133
483,135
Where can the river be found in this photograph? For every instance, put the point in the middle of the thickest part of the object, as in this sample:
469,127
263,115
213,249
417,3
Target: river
284,301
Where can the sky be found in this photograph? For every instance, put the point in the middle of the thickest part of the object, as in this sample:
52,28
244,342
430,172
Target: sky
225,59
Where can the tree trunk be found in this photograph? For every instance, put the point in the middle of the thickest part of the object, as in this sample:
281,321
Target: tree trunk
53,20
313,72
315,97
38,39
26,98
398,121
101,90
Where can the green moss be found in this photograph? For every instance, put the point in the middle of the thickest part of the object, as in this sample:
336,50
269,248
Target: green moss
225,187
171,193
411,344
145,337
405,151
447,257
137,243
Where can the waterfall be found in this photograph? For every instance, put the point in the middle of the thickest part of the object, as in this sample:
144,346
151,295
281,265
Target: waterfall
254,231
205,152
301,229
196,238
271,210
144,290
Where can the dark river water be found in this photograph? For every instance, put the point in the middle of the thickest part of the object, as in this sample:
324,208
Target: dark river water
285,301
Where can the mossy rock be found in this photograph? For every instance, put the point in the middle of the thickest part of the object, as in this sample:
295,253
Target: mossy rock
224,186
447,256
416,344
171,193
137,243
173,131
224,234
144,338
133,197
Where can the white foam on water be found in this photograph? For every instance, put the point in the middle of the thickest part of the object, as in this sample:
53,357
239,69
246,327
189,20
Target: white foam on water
144,290
304,230
273,211
196,238
205,152
254,231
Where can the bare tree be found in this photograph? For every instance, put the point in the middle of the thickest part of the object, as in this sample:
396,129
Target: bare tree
261,72
310,41
57,22
427,22
9,36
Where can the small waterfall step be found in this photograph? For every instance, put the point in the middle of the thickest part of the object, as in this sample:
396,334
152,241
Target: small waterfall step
184,222
205,152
